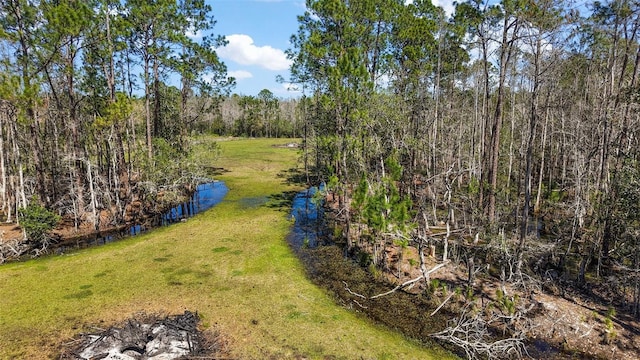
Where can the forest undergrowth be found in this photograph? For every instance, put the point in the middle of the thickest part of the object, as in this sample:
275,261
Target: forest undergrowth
230,264
493,309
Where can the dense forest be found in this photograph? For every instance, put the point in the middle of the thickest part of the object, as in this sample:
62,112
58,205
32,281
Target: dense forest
503,136
98,104
97,100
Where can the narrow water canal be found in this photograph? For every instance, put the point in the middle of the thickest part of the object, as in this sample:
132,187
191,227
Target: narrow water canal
309,227
205,197
330,266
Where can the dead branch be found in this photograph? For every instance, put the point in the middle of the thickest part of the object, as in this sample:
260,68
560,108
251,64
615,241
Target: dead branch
470,332
425,275
346,287
172,337
447,234
441,305
12,249
362,306
404,284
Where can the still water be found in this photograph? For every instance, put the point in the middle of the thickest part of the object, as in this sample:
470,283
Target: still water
205,197
309,227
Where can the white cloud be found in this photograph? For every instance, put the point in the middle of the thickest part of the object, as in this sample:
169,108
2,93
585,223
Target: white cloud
291,87
447,5
286,90
240,74
194,35
242,50
303,6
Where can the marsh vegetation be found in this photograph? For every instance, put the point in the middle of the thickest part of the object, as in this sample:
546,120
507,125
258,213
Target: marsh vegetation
485,160
231,264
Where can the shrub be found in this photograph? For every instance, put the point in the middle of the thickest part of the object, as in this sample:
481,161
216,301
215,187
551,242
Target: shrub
36,221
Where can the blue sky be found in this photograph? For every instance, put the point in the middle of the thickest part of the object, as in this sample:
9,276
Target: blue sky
258,32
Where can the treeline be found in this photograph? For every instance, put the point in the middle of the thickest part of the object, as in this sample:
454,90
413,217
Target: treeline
263,115
97,99
511,125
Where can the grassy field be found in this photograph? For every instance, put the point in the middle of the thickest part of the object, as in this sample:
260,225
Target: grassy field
231,264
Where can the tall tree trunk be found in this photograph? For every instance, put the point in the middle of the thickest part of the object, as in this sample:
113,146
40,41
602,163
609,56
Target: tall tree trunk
486,126
4,119
536,206
121,173
157,122
147,109
36,151
506,49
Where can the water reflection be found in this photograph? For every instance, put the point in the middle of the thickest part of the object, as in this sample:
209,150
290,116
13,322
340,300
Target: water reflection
205,197
307,212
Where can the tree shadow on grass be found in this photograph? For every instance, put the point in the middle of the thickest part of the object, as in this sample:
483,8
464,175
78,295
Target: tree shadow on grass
282,201
297,176
215,171
293,176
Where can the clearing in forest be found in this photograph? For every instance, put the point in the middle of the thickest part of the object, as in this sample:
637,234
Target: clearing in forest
230,264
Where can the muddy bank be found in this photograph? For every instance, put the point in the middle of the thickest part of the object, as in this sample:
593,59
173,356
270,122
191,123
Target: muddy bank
353,286
328,266
203,198
140,216
553,327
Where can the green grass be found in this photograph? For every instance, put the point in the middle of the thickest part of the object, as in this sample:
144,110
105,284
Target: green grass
231,264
